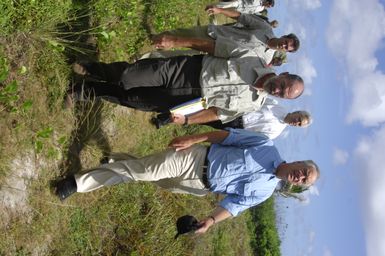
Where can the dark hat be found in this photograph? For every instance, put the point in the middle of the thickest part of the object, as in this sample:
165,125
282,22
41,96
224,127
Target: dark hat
186,224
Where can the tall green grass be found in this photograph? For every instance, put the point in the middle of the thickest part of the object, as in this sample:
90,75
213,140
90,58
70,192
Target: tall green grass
38,40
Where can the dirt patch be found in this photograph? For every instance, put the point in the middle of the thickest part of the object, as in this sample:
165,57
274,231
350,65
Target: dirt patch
14,190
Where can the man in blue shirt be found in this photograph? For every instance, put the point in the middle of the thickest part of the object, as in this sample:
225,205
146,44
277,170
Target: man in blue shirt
243,165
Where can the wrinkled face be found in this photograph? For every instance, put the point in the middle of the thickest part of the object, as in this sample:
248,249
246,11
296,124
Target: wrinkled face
285,44
283,87
296,119
298,173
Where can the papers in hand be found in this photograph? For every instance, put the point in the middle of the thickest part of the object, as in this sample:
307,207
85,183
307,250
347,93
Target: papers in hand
190,107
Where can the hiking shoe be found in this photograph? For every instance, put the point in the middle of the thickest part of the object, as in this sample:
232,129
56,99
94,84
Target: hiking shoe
66,187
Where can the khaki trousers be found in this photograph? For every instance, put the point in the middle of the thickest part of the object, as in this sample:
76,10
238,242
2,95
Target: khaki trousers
179,172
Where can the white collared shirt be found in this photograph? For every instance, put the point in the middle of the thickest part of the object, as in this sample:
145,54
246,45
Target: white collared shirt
269,120
243,6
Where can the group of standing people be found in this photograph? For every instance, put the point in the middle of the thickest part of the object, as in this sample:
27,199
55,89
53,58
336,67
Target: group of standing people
231,68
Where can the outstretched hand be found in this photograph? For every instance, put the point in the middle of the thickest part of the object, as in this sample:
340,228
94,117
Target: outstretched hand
204,225
211,10
183,142
178,119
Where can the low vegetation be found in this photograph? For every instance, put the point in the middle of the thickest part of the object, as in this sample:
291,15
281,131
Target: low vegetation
42,141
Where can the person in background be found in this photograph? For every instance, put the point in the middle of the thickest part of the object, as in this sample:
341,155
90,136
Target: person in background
246,6
270,120
250,33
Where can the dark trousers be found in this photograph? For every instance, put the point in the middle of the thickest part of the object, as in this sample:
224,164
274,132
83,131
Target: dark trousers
148,85
236,123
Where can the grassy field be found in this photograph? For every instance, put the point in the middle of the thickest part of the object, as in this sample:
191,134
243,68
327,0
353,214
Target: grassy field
41,141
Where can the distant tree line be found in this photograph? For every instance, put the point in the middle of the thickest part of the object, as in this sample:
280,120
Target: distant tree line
265,240
286,189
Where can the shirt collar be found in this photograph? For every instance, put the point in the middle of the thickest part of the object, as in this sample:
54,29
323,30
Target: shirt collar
276,163
260,72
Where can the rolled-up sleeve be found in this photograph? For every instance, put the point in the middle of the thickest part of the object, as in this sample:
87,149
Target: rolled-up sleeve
226,48
241,137
236,204
253,21
227,116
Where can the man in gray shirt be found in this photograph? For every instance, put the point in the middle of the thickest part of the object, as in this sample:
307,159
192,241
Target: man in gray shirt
250,32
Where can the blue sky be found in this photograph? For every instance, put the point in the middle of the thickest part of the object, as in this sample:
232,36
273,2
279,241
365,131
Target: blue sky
342,60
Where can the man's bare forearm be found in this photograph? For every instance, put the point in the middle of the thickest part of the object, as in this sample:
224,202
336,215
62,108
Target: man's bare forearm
212,137
231,13
164,41
183,142
204,116
204,45
219,214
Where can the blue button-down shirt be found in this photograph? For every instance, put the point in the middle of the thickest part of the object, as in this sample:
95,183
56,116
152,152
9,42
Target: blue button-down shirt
243,167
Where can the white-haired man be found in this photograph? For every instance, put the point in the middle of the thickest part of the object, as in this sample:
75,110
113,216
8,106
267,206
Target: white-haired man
270,120
243,165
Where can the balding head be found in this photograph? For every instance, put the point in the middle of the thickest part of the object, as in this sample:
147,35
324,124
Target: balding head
285,86
302,173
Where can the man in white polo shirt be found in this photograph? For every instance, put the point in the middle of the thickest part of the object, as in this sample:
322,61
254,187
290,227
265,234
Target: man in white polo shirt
270,120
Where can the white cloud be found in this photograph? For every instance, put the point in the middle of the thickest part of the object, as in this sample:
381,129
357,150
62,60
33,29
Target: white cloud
298,19
305,4
327,252
369,99
354,40
305,196
296,26
340,156
306,69
313,190
369,155
310,243
311,236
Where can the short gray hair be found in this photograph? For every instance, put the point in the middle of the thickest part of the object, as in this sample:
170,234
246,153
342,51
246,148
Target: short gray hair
311,163
307,115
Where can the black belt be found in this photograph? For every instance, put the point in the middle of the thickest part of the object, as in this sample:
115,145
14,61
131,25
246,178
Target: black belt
205,170
237,123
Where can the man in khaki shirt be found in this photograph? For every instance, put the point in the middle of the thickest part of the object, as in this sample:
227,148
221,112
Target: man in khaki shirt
231,87
233,80
250,32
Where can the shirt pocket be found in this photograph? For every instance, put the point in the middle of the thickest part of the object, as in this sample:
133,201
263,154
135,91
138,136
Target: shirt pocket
249,190
232,103
236,163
